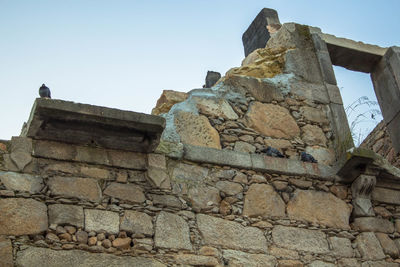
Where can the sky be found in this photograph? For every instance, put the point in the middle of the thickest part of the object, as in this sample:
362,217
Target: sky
122,54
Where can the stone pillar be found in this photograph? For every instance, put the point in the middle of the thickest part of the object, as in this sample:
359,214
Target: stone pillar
386,80
361,190
258,33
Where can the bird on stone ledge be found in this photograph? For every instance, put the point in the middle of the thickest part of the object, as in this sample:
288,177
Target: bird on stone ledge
44,91
272,152
307,157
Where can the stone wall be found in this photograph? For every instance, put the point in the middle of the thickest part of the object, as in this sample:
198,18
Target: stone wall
379,142
87,206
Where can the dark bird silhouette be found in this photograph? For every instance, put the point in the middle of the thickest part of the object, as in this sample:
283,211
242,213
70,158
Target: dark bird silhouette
307,157
44,91
272,152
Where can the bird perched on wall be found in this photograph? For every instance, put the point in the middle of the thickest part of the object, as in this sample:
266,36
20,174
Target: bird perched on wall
44,91
307,157
272,152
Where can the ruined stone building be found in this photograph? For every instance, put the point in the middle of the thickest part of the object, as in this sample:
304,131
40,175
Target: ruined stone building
193,185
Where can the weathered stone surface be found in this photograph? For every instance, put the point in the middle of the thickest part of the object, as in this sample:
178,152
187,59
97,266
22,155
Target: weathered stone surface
262,90
167,99
373,224
239,258
184,176
21,216
137,222
229,188
323,155
157,171
122,243
302,184
379,264
6,252
321,264
319,207
271,120
21,150
101,220
212,78
262,200
244,147
128,192
388,245
81,237
126,159
66,214
166,201
172,231
33,256
195,260
278,143
314,114
196,130
313,135
341,247
339,191
348,263
219,232
300,239
203,197
213,107
282,253
290,263
369,246
21,182
83,188
385,195
95,172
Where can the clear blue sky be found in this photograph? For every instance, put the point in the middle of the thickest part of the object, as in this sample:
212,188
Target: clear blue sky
122,54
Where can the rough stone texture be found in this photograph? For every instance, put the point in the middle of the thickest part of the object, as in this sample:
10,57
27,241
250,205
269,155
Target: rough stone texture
21,151
137,222
341,247
321,264
219,232
66,214
167,99
196,130
21,182
122,243
244,147
195,260
203,197
313,135
95,172
21,216
238,258
373,224
369,246
229,188
271,120
262,90
348,263
157,171
101,220
262,200
33,256
323,155
128,192
6,252
314,114
319,207
385,195
379,264
166,201
300,239
172,231
278,143
283,253
83,188
213,107
184,176
388,245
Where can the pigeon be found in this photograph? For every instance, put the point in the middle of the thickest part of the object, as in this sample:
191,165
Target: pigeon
307,157
272,152
44,91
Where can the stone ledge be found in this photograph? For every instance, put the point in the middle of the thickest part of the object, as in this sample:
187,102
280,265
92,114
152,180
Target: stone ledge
258,162
83,124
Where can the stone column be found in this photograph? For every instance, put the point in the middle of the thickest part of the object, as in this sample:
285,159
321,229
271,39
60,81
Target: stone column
258,33
386,80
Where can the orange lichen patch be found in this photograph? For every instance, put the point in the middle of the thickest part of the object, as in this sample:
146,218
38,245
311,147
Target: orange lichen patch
167,99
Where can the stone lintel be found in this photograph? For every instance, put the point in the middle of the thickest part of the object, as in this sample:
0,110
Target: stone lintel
258,162
84,124
353,55
257,34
